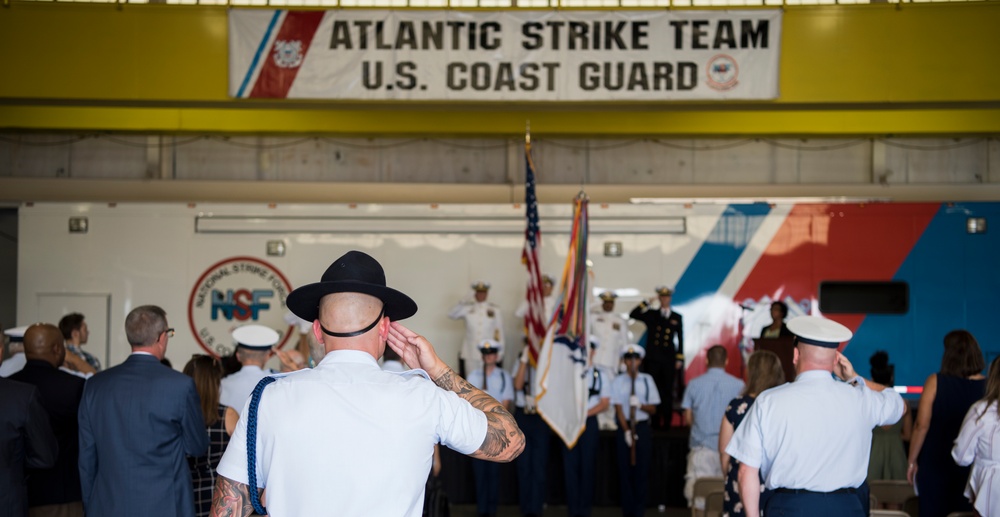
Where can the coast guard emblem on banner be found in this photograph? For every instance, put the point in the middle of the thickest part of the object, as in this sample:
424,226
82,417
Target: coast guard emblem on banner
288,54
722,72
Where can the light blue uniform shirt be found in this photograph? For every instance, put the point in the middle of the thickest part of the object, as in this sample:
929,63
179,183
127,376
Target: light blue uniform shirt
814,433
707,397
645,389
499,385
598,382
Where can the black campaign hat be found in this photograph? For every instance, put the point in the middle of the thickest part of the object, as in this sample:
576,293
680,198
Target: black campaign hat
355,272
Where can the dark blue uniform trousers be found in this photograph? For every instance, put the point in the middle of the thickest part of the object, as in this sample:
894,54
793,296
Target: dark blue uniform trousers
531,462
635,480
816,504
580,465
487,475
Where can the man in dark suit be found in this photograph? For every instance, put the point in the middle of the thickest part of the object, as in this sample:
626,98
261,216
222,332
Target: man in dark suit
25,440
137,421
54,491
664,349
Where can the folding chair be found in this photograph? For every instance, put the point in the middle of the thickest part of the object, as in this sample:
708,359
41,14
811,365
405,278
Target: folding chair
893,492
714,503
888,513
703,487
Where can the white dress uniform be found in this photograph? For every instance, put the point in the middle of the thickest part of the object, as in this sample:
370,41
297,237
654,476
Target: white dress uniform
483,321
15,362
611,332
322,466
237,387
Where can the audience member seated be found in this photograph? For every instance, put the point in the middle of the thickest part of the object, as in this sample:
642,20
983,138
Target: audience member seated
944,402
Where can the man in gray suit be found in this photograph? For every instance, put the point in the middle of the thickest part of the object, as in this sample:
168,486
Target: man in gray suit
137,421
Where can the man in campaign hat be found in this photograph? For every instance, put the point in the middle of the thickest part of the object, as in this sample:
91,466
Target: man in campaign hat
331,438
811,439
253,349
664,348
483,321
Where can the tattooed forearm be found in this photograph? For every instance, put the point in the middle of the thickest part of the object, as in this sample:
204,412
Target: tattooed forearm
504,441
230,498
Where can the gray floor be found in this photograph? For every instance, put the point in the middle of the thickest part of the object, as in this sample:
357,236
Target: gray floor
560,511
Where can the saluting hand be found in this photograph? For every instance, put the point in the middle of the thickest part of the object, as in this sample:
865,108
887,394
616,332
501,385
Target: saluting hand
843,368
415,350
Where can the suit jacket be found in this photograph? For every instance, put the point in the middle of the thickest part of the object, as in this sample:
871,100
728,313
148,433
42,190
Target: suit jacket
61,393
25,440
664,335
137,422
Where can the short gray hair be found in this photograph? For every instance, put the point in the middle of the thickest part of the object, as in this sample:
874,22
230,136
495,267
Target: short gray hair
144,325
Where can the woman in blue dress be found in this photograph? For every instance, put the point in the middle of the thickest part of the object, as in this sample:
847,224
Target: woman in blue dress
763,372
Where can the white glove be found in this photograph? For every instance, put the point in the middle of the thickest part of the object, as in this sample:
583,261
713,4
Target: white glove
524,355
628,438
633,401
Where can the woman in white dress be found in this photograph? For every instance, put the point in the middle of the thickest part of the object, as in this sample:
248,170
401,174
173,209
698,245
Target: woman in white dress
978,443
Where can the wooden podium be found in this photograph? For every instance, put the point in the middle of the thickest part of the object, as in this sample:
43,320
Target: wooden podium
782,346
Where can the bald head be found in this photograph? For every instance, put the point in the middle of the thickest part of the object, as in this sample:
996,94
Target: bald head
45,342
812,357
351,312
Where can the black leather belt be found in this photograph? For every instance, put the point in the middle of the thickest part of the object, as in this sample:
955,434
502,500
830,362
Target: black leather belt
804,491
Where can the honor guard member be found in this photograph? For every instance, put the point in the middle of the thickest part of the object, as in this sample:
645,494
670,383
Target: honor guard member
811,439
253,349
580,462
483,321
664,348
548,300
323,441
14,358
635,397
498,384
610,330
531,463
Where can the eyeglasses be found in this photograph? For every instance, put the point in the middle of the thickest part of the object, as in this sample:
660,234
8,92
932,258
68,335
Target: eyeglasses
168,332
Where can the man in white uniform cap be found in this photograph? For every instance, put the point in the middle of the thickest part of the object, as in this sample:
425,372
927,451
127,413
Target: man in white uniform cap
14,358
253,349
610,330
329,440
483,321
811,439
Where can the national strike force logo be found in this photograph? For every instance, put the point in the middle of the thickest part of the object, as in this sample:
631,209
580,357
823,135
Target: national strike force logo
722,72
235,292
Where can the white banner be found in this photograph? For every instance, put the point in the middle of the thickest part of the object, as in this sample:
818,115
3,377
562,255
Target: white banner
504,55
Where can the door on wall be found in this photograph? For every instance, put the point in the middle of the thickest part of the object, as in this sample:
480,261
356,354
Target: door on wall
96,312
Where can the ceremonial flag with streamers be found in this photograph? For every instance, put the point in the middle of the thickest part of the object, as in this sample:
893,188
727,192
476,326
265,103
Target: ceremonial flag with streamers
560,385
534,319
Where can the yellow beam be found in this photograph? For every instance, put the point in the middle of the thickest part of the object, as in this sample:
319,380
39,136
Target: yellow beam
470,122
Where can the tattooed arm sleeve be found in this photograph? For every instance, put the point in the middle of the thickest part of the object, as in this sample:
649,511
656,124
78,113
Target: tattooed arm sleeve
230,498
504,440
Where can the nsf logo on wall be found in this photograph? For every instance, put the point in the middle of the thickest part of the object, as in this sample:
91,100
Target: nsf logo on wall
237,291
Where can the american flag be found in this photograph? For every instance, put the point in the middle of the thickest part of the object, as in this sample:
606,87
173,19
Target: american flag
534,319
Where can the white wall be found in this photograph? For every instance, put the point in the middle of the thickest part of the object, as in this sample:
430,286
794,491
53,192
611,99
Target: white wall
151,254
